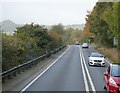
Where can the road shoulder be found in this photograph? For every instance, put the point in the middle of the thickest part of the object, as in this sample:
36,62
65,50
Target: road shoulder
22,79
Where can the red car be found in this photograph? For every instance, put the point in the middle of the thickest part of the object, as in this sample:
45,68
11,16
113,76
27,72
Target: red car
112,78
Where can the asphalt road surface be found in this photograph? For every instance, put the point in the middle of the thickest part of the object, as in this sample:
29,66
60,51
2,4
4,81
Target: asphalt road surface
70,72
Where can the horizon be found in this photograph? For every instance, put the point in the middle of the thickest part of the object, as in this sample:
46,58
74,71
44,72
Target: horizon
39,24
8,26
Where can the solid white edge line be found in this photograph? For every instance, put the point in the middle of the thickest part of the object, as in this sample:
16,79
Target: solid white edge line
43,72
89,77
84,75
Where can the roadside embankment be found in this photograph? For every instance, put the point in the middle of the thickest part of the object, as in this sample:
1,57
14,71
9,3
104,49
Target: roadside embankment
111,53
22,79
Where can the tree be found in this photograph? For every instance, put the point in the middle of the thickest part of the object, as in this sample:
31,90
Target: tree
39,33
12,51
56,40
28,42
101,24
58,29
57,35
110,15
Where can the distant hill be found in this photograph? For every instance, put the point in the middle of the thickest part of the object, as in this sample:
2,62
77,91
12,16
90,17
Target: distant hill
8,26
75,26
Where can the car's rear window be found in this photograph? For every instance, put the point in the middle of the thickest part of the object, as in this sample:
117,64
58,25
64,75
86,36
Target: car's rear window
84,43
96,55
116,71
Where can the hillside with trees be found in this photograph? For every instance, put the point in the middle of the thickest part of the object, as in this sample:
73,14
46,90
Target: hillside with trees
103,29
102,24
28,42
32,40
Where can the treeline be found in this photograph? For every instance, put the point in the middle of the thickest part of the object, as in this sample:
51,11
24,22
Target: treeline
32,40
28,42
103,25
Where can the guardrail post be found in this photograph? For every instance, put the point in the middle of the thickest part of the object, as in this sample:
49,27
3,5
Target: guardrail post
19,71
14,73
23,69
9,76
29,65
3,80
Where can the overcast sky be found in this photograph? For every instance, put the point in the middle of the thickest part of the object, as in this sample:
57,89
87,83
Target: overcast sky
47,12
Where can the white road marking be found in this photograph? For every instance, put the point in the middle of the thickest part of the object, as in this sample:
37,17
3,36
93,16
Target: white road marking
83,71
89,77
43,72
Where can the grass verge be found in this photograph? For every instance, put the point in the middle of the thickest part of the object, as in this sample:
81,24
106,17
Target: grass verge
111,53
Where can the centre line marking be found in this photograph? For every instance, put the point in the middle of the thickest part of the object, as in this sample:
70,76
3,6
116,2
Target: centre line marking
90,80
84,75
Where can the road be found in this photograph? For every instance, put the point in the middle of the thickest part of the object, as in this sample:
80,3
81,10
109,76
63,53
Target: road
70,72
